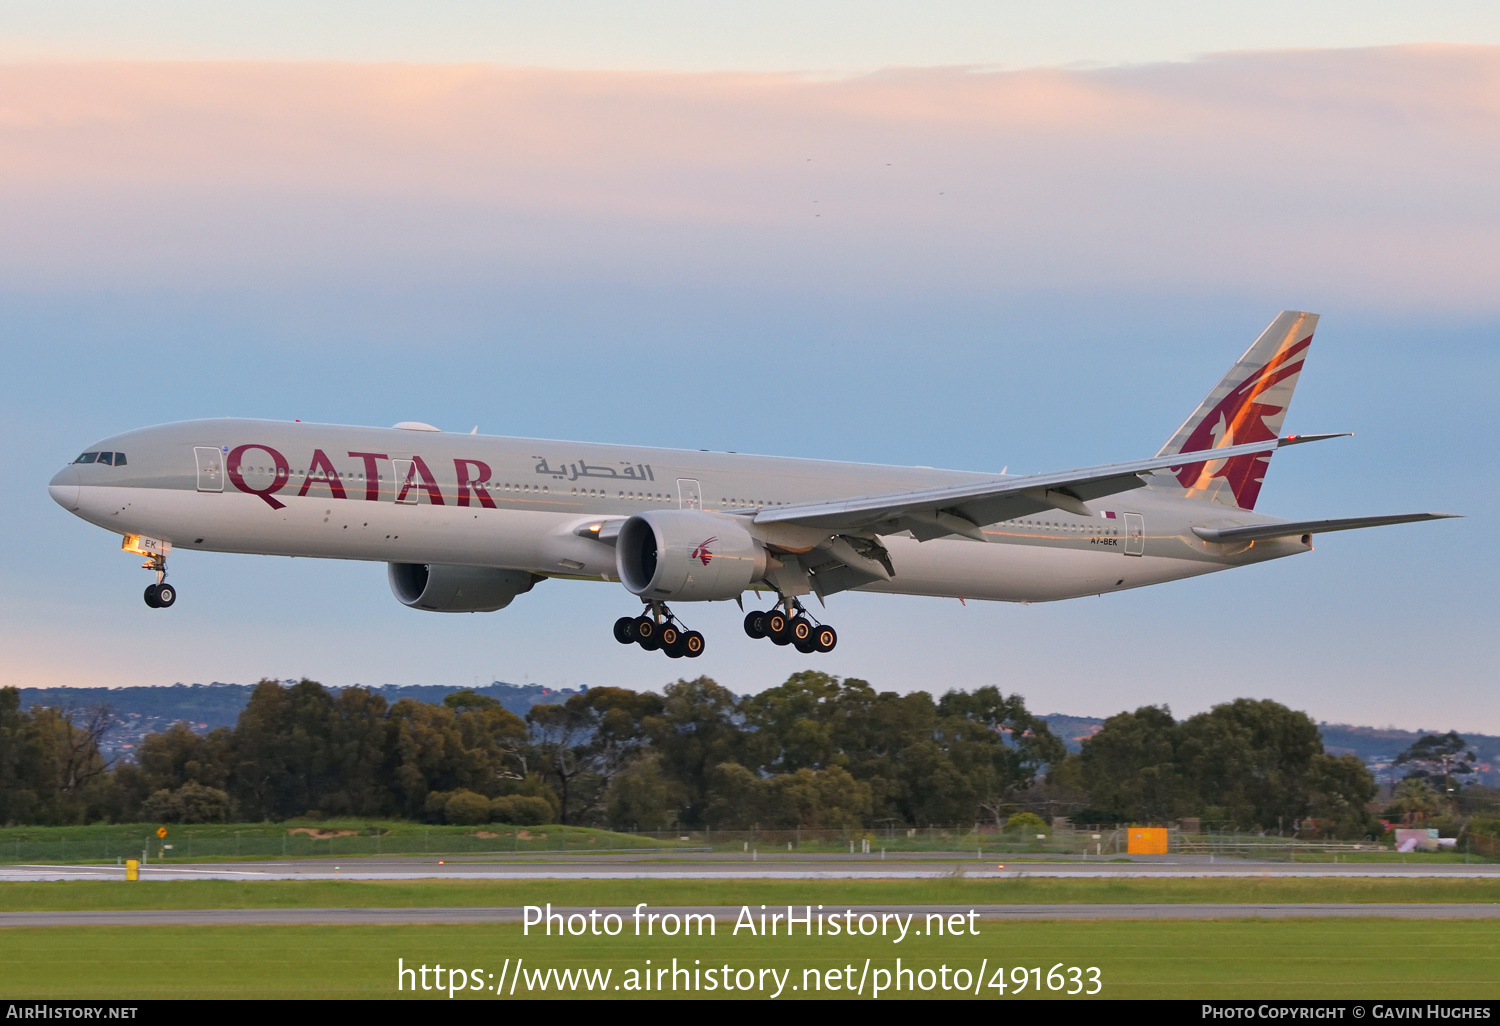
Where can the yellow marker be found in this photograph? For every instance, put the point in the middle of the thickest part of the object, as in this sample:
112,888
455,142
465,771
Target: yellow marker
161,832
132,869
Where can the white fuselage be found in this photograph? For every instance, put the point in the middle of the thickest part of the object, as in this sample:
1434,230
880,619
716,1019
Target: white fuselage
332,492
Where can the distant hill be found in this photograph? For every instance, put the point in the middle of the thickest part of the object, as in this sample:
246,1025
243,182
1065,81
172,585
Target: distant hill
145,710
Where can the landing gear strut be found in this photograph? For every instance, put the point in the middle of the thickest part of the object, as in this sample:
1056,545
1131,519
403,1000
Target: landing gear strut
659,628
160,595
793,626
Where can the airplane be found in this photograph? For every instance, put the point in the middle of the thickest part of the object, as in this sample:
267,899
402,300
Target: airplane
466,523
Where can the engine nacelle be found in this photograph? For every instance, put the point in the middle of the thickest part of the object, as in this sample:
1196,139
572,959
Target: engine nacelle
457,589
687,555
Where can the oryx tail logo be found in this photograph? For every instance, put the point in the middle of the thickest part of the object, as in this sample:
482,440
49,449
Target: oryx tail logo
703,553
1251,412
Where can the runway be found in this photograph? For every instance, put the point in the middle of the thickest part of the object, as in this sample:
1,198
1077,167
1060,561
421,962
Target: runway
720,867
728,913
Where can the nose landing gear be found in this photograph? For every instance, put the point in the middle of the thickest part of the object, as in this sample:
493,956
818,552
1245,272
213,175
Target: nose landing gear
160,595
657,629
791,626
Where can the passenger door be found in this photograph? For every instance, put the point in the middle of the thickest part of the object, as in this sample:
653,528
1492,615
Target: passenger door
404,484
689,495
1135,534
210,462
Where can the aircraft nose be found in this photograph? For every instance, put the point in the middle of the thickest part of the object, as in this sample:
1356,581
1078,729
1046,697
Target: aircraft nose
64,487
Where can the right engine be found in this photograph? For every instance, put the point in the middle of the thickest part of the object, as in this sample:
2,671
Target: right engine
687,555
457,589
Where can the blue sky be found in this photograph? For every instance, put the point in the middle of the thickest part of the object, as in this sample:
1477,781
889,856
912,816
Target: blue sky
1038,268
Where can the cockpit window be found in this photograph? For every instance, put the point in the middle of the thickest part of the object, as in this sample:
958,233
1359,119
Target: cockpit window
119,459
106,458
109,459
87,457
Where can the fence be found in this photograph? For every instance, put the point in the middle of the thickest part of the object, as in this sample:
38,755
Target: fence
183,843
1479,844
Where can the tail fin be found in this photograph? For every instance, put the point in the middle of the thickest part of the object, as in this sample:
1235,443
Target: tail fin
1247,406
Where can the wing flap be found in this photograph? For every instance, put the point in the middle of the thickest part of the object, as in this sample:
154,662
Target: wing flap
1262,532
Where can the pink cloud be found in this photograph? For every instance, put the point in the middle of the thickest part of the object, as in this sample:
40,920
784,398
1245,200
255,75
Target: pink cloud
1317,176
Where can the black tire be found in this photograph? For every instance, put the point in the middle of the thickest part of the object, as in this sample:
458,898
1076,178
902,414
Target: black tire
165,595
802,631
151,596
825,637
755,624
648,634
677,647
692,644
778,627
805,645
625,630
670,634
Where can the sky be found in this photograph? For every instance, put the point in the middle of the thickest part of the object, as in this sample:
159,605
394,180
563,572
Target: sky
960,235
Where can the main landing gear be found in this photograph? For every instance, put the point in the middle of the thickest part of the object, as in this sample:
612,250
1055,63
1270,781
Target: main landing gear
656,629
791,626
160,595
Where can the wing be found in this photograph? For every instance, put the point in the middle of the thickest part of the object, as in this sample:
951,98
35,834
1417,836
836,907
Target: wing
962,509
1260,532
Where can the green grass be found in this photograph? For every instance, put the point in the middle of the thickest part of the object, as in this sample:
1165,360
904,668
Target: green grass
1402,858
1251,959
182,894
101,842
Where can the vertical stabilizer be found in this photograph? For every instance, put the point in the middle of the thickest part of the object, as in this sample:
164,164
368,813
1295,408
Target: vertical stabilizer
1248,405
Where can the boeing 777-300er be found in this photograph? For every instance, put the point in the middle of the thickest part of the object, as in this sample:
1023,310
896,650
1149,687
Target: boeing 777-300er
468,522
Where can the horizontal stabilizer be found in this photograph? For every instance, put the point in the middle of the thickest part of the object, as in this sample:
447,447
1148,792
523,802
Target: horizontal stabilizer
1260,532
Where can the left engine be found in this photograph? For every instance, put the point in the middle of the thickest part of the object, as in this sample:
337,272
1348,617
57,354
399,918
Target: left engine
457,589
687,555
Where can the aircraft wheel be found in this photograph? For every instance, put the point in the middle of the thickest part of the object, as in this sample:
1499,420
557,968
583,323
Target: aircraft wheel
648,634
670,636
692,644
778,627
755,624
165,595
807,646
151,596
825,637
802,631
625,630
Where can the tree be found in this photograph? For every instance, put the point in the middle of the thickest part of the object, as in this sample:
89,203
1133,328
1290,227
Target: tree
642,797
1253,759
695,731
561,735
1439,758
1132,770
467,808
172,757
190,803
829,798
1339,789
1417,798
996,744
443,748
